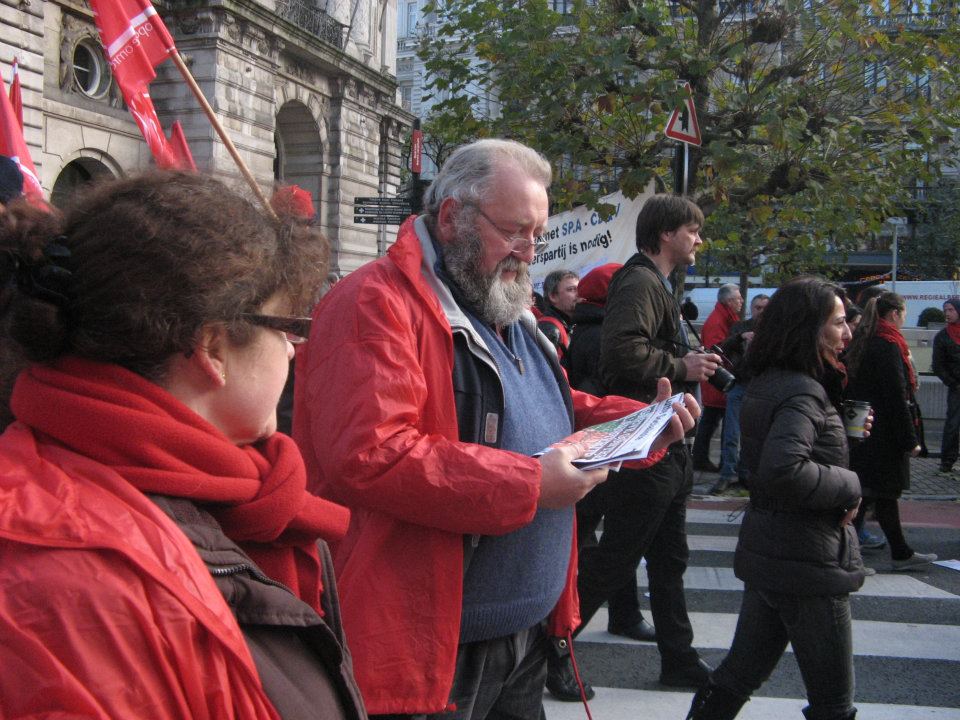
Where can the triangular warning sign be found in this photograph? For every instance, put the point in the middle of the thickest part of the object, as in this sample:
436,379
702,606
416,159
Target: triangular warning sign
683,125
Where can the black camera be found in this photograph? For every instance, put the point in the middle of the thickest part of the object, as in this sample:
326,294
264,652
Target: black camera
723,380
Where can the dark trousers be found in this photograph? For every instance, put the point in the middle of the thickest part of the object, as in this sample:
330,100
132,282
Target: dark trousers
887,512
709,421
645,516
819,628
623,604
950,446
499,679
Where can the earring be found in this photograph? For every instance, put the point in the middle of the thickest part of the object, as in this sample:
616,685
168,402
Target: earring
223,376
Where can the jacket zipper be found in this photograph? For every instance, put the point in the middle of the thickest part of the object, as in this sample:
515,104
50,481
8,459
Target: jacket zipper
226,570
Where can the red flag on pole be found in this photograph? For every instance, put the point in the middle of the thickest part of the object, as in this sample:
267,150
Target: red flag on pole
145,115
14,147
136,41
135,38
16,97
181,151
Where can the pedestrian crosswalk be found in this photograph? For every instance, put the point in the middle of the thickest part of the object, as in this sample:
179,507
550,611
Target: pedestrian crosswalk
906,640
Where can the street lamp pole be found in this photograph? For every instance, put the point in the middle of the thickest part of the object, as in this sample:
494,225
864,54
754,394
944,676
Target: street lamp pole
896,222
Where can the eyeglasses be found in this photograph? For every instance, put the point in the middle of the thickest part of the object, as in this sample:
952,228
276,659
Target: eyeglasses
517,243
296,329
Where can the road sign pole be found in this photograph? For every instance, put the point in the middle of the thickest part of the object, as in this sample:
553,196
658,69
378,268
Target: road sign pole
681,168
686,167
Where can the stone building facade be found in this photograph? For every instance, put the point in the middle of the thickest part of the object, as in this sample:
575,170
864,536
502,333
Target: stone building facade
306,89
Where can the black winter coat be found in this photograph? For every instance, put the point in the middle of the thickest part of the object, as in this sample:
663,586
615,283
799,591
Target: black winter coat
583,353
946,360
795,449
882,461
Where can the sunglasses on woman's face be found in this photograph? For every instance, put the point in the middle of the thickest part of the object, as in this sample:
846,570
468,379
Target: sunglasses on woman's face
295,329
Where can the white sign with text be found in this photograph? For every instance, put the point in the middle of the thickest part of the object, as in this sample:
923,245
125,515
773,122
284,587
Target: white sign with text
580,239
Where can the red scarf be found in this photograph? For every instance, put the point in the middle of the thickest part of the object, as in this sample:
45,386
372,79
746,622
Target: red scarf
953,330
155,442
891,333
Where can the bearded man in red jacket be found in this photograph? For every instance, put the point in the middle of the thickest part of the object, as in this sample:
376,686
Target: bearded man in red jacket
423,392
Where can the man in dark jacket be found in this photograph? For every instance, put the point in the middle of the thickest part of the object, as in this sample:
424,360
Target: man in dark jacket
560,298
583,366
645,510
946,366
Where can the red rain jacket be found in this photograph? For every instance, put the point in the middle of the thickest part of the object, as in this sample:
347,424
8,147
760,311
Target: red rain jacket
376,420
106,610
715,331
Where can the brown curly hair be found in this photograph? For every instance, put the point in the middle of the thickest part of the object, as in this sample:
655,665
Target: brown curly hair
152,259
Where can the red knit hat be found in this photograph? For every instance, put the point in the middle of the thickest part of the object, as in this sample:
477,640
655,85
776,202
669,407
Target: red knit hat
594,285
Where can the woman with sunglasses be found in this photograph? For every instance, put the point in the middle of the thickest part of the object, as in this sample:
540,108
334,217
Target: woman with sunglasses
159,554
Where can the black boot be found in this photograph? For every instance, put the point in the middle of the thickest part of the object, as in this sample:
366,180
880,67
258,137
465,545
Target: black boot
715,703
807,713
561,682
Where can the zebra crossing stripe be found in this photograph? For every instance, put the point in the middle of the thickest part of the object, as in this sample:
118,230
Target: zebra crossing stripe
870,637
620,704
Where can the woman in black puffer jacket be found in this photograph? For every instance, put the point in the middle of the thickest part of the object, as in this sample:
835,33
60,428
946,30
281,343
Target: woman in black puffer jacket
798,554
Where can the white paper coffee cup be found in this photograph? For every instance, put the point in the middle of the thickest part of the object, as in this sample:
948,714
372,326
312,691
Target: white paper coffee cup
855,414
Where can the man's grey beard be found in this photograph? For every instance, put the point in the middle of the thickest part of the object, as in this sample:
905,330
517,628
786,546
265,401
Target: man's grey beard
494,301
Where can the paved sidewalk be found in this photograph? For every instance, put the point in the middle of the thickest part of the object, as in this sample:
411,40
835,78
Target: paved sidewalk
927,484
925,481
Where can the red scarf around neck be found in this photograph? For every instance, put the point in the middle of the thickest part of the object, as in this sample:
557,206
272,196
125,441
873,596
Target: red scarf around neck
953,330
257,492
891,333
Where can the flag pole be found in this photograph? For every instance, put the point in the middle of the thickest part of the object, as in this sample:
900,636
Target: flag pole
211,116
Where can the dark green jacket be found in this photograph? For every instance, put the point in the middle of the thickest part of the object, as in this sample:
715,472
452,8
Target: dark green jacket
641,329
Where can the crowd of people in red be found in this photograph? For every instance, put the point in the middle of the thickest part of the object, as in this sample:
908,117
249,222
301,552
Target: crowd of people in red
165,552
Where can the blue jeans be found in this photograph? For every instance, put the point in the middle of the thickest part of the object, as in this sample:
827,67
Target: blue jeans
730,447
819,628
950,447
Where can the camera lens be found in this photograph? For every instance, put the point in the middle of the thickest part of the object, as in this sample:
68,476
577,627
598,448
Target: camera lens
723,380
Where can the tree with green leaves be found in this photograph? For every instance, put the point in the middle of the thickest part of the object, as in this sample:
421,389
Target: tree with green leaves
932,247
817,117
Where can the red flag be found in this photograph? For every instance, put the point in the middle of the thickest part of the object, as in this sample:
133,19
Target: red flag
14,147
416,151
181,151
135,38
145,115
136,41
16,98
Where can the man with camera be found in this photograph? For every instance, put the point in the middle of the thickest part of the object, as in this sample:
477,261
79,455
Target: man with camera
645,510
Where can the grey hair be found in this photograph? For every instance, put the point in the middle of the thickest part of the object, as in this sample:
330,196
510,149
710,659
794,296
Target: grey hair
726,292
467,173
551,281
